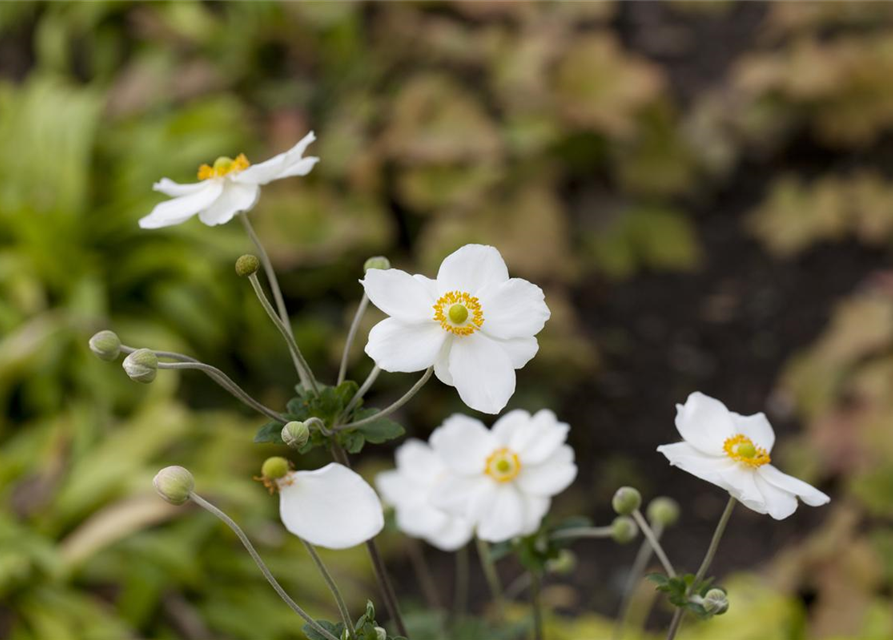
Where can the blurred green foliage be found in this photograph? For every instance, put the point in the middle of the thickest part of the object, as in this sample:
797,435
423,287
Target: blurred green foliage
533,126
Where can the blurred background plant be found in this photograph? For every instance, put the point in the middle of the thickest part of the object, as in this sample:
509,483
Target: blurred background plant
700,187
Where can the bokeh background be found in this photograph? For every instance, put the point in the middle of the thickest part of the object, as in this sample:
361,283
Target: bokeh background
701,188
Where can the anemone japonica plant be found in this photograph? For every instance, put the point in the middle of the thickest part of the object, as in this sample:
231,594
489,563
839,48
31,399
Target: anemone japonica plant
473,327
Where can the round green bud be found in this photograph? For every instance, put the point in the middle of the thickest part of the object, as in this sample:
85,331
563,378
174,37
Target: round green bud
626,500
174,484
274,468
564,564
376,262
381,633
106,345
247,265
624,530
295,434
141,365
663,511
716,602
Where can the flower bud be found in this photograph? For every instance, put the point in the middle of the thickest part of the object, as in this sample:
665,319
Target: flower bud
174,484
247,265
106,345
295,434
663,511
377,262
141,365
626,500
624,530
381,634
274,468
564,564
716,602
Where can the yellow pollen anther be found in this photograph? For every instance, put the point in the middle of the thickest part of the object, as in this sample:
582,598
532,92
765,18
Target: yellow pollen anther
742,449
223,166
459,313
503,465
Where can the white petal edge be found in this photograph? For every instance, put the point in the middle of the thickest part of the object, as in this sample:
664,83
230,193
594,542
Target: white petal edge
551,477
705,423
505,517
755,427
179,210
234,199
470,268
278,166
482,373
403,347
401,295
803,490
513,309
463,444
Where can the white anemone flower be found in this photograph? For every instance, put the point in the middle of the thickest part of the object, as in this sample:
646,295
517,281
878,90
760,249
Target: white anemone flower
332,507
473,324
503,479
226,188
733,452
409,489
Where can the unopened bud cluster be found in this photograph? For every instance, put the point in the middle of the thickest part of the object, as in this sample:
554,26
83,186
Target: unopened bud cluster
106,345
624,530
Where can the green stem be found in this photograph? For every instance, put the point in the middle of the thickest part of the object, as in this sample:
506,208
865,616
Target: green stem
207,506
301,366
537,606
492,577
367,384
460,597
391,409
654,542
351,334
705,564
378,565
330,582
583,532
227,383
635,574
423,573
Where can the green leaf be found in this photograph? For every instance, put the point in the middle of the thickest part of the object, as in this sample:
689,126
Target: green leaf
335,629
381,430
270,432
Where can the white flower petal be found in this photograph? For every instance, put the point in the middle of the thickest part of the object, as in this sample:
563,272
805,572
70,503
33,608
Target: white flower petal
180,209
442,363
278,166
755,427
470,268
533,438
398,346
463,444
418,462
535,509
777,502
421,521
550,477
705,467
332,507
401,295
455,535
234,199
395,489
174,189
741,482
806,492
482,372
705,423
513,309
505,518
457,494
520,350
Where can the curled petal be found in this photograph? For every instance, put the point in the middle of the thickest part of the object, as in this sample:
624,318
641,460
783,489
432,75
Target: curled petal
332,507
687,458
755,427
806,492
234,199
778,503
705,423
177,210
284,165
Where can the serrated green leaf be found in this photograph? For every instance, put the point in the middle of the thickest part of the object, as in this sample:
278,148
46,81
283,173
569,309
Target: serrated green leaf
270,432
312,634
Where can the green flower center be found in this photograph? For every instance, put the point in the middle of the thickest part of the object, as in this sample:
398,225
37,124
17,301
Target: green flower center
458,313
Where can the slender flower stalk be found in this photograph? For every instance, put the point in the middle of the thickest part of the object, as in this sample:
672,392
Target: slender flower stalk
207,506
351,334
635,574
705,564
187,362
424,576
301,366
536,605
583,532
653,540
227,383
392,408
460,594
492,577
378,565
333,587
367,384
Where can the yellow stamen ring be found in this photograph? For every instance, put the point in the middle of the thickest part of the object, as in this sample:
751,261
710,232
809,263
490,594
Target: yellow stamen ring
223,166
740,448
503,465
459,313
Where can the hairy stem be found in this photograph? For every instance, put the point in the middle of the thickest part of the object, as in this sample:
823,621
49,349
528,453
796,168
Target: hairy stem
330,582
635,574
654,542
583,532
301,366
207,506
705,564
367,384
391,409
351,334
